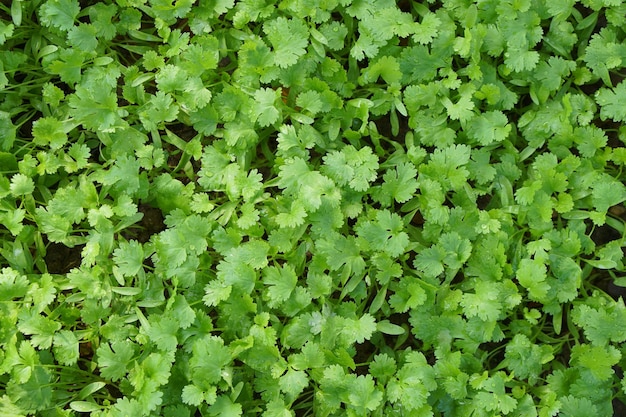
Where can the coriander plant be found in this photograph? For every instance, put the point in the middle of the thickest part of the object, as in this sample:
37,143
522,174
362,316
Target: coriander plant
329,208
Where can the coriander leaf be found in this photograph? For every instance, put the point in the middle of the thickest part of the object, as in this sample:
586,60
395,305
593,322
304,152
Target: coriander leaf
48,131
412,384
7,131
168,10
294,217
171,78
461,110
356,168
339,250
360,329
430,261
225,407
447,166
264,111
335,34
293,382
419,63
68,66
209,357
400,184
603,324
83,37
532,274
489,127
607,192
311,101
598,360
428,29
364,396
281,281
574,406
612,102
386,67
159,109
485,303
603,53
21,185
12,284
115,359
525,358
163,331
194,395
65,347
96,109
34,394
59,13
408,294
129,257
519,59
101,16
289,38
386,234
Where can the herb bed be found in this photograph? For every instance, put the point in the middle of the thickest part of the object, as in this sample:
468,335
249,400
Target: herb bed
342,207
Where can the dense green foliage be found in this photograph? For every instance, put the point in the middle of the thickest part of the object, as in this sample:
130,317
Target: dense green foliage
324,208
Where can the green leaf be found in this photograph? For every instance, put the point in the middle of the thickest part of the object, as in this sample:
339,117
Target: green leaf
65,347
224,406
289,38
356,168
604,53
264,111
277,408
361,329
412,383
194,395
35,394
386,234
7,132
598,360
83,37
69,65
281,281
170,10
532,274
430,261
293,382
601,325
96,109
21,185
159,109
209,357
400,184
489,127
59,13
607,192
408,294
364,396
129,258
611,102
386,67
340,250
12,285
115,359
335,34
163,331
85,406
525,358
48,131
40,328
387,327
